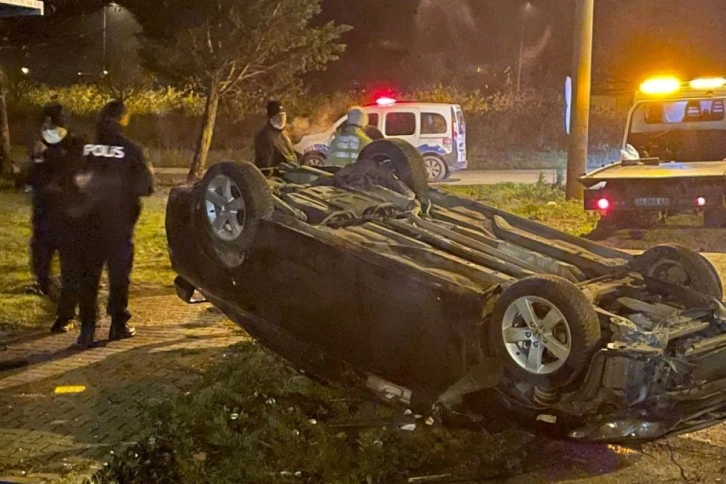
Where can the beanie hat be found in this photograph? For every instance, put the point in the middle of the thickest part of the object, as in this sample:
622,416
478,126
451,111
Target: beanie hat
274,108
55,113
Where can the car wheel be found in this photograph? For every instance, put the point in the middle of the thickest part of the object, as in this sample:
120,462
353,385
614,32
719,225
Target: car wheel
544,330
407,162
233,198
436,168
681,266
313,158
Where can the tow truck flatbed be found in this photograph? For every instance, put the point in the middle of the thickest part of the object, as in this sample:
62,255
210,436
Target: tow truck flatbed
662,170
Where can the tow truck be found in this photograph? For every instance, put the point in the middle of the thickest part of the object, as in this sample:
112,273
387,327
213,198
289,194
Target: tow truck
673,158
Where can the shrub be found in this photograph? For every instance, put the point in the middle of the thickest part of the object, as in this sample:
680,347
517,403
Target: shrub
505,129
86,99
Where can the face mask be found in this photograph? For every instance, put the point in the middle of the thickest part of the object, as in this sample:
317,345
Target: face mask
54,136
279,121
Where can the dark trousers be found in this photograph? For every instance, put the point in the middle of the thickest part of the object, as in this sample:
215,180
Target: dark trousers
43,244
83,257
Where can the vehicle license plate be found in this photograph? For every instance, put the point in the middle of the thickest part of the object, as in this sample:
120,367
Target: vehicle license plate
652,202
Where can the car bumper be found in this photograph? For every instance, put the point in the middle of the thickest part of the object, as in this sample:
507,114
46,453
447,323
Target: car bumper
455,165
673,201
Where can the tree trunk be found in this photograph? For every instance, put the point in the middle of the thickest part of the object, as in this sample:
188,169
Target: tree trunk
199,165
5,158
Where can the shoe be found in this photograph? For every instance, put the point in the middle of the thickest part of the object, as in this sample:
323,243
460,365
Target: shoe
87,345
123,331
61,326
86,338
119,327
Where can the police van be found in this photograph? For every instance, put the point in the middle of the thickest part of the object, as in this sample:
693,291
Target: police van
437,130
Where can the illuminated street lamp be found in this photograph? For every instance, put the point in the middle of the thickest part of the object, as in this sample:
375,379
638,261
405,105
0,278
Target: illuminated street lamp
25,70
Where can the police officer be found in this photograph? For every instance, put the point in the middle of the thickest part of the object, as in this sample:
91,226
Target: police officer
350,140
272,145
116,176
48,157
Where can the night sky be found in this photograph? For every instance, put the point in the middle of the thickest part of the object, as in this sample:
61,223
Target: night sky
403,41
414,42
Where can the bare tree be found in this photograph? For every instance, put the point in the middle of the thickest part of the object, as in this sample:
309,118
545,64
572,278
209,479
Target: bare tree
226,47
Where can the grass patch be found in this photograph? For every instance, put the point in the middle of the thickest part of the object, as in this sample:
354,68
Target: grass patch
540,201
253,419
20,310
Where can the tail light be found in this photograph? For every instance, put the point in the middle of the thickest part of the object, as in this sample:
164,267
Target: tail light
603,204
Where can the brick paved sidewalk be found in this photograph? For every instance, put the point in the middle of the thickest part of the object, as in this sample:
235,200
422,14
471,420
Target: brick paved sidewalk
44,434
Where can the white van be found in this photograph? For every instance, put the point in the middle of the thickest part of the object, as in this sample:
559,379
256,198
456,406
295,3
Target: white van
437,130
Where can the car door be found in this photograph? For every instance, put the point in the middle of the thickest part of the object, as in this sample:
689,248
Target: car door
459,134
436,132
403,123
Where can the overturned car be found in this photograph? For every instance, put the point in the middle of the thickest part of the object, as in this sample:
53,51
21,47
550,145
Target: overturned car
452,307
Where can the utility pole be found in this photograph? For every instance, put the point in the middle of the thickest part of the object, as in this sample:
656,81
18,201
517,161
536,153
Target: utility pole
521,55
104,38
527,10
582,68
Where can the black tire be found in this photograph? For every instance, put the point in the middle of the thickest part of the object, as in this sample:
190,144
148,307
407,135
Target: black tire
682,266
229,247
438,175
545,292
714,218
313,158
407,162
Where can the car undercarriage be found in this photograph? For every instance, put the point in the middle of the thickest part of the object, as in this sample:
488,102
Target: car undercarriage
451,307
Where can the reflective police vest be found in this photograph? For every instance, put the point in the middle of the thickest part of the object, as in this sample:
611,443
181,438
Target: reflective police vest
346,146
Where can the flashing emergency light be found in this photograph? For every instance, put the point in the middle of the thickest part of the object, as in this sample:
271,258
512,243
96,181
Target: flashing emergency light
603,204
706,83
660,86
385,101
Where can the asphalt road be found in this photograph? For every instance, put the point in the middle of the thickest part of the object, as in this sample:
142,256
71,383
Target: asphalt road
491,177
466,177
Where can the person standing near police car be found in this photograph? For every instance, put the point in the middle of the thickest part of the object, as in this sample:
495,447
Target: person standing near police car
272,145
116,175
350,140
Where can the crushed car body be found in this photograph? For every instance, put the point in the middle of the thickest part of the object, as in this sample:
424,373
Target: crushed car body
452,307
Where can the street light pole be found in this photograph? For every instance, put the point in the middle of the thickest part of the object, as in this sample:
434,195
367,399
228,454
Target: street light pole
582,67
521,55
104,37
526,11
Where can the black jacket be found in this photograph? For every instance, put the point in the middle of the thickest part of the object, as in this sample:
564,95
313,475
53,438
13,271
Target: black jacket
272,147
116,175
52,171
